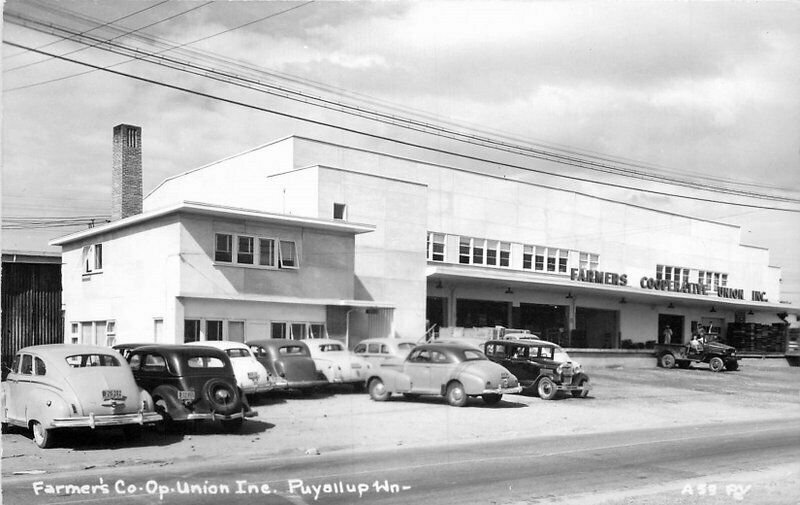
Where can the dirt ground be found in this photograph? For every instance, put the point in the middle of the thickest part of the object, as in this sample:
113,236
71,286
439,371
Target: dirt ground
627,395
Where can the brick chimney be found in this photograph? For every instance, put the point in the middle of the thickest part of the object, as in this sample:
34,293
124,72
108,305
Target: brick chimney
126,173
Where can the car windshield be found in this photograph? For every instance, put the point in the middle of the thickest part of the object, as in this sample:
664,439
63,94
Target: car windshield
205,362
331,347
292,350
238,353
86,360
405,346
561,355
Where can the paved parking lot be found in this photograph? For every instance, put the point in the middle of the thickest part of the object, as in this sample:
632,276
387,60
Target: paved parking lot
627,395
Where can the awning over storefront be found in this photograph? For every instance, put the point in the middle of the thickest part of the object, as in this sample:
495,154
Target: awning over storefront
564,286
367,304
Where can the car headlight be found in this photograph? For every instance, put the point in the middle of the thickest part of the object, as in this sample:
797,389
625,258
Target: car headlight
578,368
560,369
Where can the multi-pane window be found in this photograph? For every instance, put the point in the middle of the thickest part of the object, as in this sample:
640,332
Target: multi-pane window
588,261
245,250
479,251
435,246
527,257
288,254
266,252
538,263
255,251
223,247
712,280
93,258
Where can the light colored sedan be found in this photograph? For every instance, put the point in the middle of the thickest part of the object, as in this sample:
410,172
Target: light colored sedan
251,376
455,371
51,387
339,365
380,350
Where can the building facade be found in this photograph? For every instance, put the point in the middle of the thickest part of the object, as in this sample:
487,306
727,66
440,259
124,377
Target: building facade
392,246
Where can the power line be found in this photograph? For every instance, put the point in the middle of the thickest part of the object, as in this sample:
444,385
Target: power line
395,140
573,159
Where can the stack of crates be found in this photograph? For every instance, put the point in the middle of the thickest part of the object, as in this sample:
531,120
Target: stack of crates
754,337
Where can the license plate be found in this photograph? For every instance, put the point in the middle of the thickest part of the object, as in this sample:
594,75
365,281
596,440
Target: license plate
185,395
253,376
112,394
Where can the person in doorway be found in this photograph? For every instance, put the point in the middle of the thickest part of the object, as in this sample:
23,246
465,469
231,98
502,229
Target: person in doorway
666,335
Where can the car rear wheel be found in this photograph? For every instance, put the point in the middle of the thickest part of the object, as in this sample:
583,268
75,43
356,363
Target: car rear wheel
232,425
492,398
547,389
732,365
378,391
581,393
223,397
42,436
456,396
716,364
667,360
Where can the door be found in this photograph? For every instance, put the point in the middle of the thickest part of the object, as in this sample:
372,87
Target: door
418,369
15,385
440,371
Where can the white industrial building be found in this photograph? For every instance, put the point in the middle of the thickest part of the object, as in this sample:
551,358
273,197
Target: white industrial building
300,238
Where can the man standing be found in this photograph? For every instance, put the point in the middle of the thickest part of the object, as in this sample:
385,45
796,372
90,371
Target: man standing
666,335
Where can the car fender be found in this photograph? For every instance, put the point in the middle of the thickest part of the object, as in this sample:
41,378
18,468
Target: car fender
46,407
169,394
472,382
394,380
146,401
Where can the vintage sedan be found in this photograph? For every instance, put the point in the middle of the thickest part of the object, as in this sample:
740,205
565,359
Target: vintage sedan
51,387
542,367
251,376
191,383
339,365
289,363
379,350
455,371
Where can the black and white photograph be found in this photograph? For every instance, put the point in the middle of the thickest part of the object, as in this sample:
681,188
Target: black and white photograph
391,251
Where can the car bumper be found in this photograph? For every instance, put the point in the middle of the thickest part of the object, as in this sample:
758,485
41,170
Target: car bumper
93,421
257,388
213,416
502,391
587,386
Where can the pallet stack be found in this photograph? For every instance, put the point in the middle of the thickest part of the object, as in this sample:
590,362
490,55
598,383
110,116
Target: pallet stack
754,337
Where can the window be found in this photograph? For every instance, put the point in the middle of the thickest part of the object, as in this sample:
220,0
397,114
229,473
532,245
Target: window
245,250
464,247
205,362
27,364
527,257
288,254
491,253
87,360
39,368
298,331
213,330
278,330
93,258
505,254
478,246
266,252
223,250
539,259
111,328
316,330
436,246
588,261
154,363
191,330
339,210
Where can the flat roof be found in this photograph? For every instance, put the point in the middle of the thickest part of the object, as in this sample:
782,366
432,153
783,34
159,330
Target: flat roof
333,225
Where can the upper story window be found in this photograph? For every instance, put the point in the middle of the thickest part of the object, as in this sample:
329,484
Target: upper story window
588,261
93,258
479,251
436,247
671,273
288,254
247,250
545,259
712,280
339,211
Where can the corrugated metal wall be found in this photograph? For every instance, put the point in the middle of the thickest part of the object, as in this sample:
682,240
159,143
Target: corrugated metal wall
31,307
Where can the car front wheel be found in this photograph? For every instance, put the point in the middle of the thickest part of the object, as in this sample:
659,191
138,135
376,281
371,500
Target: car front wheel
547,389
378,391
716,364
42,436
456,396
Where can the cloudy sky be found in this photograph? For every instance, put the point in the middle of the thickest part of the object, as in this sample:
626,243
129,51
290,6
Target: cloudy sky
706,93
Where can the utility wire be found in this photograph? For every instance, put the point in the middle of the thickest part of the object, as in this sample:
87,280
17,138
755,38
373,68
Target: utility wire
414,125
396,140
